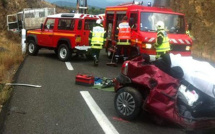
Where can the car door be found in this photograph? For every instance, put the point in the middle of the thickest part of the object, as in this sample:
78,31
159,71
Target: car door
46,37
88,26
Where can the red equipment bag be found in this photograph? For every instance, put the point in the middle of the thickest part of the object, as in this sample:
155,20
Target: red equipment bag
84,79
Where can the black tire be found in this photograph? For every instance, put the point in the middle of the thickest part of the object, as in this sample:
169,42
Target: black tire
64,52
56,51
33,48
89,54
128,103
134,52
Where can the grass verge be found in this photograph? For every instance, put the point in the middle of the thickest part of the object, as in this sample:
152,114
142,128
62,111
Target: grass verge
10,59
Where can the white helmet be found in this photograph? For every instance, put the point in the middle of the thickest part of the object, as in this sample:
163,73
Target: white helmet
160,25
99,21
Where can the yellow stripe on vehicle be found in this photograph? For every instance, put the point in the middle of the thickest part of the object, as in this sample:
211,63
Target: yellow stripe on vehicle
134,41
63,34
47,33
32,32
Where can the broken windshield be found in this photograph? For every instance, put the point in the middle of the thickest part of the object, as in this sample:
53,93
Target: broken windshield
173,23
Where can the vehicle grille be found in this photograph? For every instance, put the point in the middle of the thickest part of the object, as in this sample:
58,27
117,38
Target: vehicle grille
177,47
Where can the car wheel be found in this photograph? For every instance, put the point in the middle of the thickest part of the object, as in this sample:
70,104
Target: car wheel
128,103
64,52
33,49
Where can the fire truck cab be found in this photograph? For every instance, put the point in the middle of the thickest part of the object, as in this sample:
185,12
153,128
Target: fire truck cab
64,33
142,20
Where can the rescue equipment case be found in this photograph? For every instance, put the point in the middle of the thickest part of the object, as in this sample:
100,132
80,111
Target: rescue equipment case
84,79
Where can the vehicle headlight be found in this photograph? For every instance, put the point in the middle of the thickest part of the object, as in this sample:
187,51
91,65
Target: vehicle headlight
148,46
188,48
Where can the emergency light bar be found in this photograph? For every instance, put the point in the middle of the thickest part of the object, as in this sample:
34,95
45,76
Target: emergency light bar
68,15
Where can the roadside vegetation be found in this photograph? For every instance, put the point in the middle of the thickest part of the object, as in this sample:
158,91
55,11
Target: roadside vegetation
200,14
10,44
10,59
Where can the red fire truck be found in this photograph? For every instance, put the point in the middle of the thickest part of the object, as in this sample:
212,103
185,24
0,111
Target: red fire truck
64,33
142,20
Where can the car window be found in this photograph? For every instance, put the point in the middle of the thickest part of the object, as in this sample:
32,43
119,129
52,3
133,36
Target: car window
89,24
49,24
79,24
66,24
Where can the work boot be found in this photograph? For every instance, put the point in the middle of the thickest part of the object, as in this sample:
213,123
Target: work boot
96,61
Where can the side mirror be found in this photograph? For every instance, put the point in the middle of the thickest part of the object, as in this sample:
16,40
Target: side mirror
41,26
189,26
134,27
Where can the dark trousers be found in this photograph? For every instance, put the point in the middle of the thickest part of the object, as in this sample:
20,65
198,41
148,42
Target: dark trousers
120,48
96,52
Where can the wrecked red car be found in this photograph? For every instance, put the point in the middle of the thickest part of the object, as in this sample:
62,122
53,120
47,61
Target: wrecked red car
158,88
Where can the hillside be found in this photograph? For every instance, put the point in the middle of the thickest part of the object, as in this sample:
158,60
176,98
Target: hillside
91,3
18,5
70,4
200,13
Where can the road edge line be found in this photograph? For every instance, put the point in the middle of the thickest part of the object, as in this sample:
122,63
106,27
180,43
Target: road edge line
103,121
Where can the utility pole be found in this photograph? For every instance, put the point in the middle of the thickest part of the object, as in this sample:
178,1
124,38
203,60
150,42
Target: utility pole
81,6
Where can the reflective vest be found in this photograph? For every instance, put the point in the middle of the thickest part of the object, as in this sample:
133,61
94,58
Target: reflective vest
165,46
97,37
124,33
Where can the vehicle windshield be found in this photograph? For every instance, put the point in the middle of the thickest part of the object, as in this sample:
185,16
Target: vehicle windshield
173,23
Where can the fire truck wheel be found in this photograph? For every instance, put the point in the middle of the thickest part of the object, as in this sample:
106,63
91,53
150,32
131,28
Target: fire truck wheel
33,49
64,52
128,103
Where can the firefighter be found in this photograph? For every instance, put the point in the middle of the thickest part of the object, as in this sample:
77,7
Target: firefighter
162,44
124,36
97,40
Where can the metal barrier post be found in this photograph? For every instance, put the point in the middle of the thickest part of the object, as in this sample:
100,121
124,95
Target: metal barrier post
23,41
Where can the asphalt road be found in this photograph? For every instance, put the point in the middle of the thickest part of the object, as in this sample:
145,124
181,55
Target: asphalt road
58,106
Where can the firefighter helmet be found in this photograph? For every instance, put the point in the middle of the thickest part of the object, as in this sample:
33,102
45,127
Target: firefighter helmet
160,25
99,21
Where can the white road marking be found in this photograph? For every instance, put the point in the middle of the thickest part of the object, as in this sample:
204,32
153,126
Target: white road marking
103,121
69,66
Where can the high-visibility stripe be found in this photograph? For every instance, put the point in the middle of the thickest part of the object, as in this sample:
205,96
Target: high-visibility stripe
152,39
47,33
174,40
187,41
181,41
32,32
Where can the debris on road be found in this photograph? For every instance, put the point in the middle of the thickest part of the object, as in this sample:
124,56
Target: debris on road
20,84
104,83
